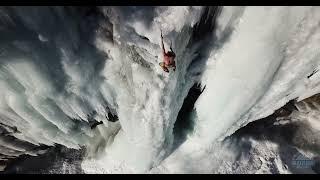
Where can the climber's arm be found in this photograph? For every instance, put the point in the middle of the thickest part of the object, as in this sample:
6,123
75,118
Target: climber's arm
162,45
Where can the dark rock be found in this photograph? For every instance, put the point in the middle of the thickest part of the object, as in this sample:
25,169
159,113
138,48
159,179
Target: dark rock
184,123
95,124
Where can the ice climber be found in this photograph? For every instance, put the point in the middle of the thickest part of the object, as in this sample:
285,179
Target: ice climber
168,58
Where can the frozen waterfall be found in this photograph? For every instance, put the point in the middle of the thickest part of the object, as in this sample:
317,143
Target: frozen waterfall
63,69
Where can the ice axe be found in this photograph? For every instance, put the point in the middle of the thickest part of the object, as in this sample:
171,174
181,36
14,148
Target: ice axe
161,33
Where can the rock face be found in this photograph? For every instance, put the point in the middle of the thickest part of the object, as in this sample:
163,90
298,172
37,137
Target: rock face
294,129
57,160
184,123
12,147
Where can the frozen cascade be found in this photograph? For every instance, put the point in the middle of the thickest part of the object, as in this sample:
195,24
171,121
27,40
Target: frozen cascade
63,67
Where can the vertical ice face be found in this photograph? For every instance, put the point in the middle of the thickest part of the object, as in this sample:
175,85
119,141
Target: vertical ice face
148,99
264,64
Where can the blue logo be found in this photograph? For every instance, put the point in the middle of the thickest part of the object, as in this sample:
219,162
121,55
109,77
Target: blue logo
302,162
